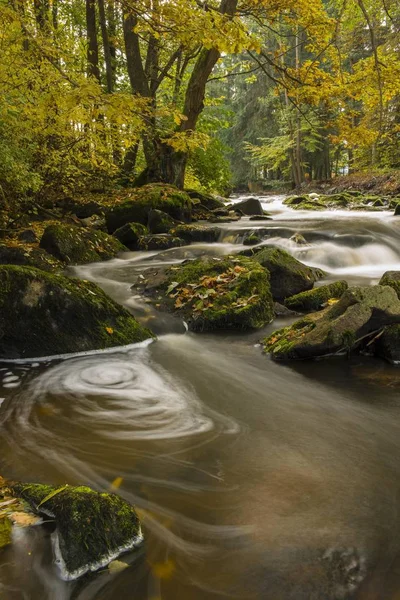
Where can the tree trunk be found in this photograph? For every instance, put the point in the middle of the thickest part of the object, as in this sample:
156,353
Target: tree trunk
169,166
92,48
106,47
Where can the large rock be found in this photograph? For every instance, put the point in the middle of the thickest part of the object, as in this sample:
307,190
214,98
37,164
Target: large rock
92,528
250,206
316,298
288,275
43,314
142,200
28,256
361,312
197,233
77,245
392,279
159,241
159,221
207,200
130,234
214,293
387,344
343,200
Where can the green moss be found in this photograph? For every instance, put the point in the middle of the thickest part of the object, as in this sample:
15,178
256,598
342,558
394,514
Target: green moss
130,233
161,241
92,527
243,303
5,532
78,245
159,221
315,299
197,233
288,275
29,256
167,198
43,314
392,279
251,240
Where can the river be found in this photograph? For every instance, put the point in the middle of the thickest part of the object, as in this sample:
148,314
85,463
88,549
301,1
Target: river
254,480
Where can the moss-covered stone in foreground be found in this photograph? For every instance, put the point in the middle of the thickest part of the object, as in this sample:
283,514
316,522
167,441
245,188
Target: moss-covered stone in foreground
167,198
392,279
215,293
361,312
43,314
316,298
92,528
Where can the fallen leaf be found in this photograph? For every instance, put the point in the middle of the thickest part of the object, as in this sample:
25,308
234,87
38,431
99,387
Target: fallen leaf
23,519
110,330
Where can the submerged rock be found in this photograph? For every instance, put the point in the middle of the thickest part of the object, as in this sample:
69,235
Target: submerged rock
160,241
250,206
214,293
251,238
197,233
130,234
77,245
316,298
43,314
299,239
288,275
136,209
361,312
92,528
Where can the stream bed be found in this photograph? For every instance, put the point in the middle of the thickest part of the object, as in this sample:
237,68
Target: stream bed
254,480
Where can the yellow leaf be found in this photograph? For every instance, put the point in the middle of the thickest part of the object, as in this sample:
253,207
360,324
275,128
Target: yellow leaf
116,484
110,330
164,570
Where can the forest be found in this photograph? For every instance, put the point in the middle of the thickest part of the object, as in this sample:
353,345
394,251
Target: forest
199,299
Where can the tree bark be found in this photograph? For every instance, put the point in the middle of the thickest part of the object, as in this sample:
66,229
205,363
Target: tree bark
106,47
93,48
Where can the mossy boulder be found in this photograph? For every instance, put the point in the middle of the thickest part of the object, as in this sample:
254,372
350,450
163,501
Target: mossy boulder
392,279
92,528
207,200
159,221
251,238
342,200
130,234
29,256
214,293
77,245
43,314
160,241
387,344
360,313
136,209
250,206
197,233
289,276
316,298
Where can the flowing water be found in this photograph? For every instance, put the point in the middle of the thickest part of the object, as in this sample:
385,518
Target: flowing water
254,480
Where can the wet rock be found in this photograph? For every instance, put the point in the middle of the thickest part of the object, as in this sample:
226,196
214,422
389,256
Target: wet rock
396,205
281,310
28,236
92,528
130,234
207,200
392,279
159,221
197,233
214,293
136,209
44,314
251,239
161,241
28,256
82,209
299,239
94,222
387,344
316,298
229,219
288,275
250,206
76,245
360,313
